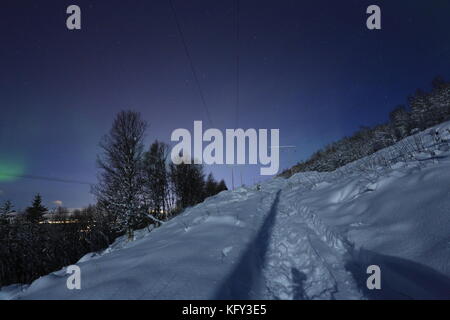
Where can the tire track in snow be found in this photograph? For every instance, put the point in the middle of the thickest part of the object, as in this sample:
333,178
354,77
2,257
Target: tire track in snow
306,259
294,255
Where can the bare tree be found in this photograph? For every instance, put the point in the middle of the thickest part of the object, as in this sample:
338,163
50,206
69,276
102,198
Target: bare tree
120,187
157,180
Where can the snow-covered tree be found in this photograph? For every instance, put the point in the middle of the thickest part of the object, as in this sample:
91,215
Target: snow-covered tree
421,109
401,122
440,99
120,189
7,207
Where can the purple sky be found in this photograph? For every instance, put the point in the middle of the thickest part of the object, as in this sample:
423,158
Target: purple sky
309,68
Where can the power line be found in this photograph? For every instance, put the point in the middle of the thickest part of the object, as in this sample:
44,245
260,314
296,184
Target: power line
237,70
237,61
33,177
191,63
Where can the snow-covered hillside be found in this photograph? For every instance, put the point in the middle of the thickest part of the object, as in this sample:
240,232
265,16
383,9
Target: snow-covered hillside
311,236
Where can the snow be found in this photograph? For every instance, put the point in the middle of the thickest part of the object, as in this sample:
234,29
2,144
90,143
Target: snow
311,236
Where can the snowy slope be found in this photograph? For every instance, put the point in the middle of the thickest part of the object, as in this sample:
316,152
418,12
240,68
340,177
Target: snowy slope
311,236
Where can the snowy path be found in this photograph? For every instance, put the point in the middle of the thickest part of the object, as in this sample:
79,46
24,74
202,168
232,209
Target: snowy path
304,261
292,256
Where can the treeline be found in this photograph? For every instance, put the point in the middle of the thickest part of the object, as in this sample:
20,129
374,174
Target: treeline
423,110
32,247
136,188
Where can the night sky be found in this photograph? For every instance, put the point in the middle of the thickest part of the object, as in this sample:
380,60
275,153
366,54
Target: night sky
310,68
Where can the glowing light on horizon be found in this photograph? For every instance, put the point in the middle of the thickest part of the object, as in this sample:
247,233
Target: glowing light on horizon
10,171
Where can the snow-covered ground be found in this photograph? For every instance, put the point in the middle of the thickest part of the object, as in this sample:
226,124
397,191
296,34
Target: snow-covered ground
311,236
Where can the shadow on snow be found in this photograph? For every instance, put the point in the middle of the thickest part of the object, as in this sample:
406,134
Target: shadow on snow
244,282
400,278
